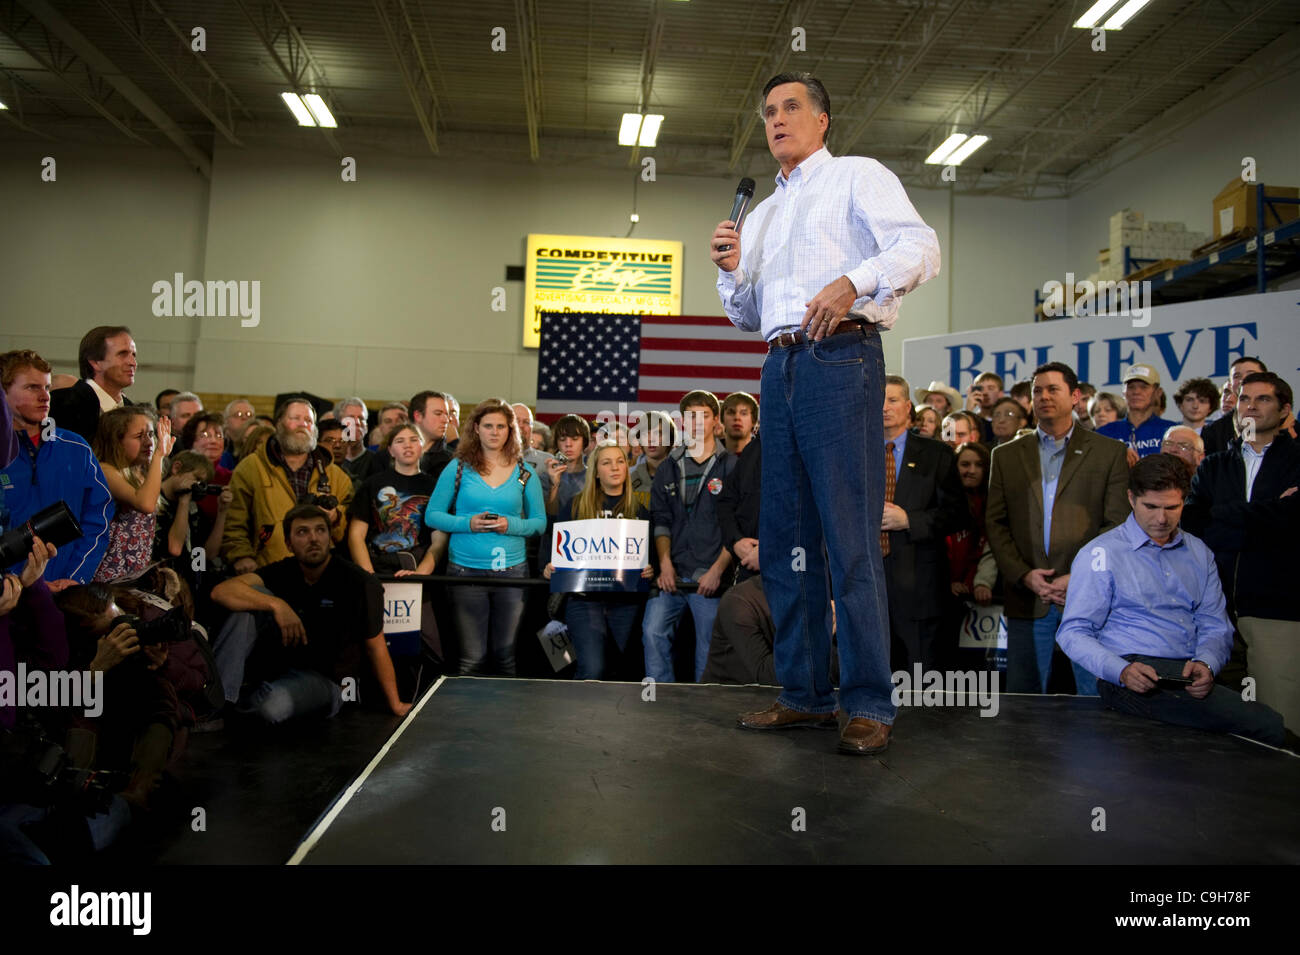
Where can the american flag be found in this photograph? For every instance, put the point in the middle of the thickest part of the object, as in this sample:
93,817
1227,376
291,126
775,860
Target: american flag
591,362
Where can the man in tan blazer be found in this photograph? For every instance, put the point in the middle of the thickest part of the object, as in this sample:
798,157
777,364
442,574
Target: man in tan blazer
1050,492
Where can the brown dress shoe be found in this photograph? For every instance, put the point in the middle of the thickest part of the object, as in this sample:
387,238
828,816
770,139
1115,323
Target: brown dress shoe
777,717
863,737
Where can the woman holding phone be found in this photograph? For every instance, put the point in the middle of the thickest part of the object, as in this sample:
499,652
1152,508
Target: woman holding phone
489,501
607,492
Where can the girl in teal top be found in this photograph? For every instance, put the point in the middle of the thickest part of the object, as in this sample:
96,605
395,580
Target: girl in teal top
488,500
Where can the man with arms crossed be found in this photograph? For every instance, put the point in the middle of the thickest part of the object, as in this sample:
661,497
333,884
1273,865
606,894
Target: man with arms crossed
821,270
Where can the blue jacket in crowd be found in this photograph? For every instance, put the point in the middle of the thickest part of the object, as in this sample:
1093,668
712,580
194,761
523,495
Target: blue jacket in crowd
62,468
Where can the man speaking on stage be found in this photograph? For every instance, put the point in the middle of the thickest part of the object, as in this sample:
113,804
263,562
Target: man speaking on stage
820,271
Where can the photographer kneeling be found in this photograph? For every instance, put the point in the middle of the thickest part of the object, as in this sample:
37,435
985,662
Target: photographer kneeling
143,645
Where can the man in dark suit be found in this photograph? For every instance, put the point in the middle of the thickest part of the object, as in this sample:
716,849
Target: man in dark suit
1245,504
1218,434
1049,493
106,361
924,503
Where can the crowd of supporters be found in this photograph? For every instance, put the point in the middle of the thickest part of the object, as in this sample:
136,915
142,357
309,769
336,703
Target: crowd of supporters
257,545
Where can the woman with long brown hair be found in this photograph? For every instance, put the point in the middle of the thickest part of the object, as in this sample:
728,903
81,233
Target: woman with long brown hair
124,444
489,502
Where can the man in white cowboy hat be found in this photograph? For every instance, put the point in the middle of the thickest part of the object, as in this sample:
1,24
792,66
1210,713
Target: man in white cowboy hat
940,396
1143,429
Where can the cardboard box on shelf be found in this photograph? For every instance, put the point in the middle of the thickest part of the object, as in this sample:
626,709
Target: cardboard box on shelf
1122,237
1126,219
1235,207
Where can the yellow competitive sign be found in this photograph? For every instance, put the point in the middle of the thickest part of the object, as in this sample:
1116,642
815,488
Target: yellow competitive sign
581,273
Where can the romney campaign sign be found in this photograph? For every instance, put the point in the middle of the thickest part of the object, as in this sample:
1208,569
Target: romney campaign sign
1181,341
605,555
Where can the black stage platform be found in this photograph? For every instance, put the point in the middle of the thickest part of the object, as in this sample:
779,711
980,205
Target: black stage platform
589,773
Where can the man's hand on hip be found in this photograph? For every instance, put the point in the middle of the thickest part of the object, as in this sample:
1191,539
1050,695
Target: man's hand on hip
725,234
828,308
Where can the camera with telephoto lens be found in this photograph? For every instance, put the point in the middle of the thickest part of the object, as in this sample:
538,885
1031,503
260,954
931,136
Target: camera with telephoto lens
171,627
54,525
199,490
38,771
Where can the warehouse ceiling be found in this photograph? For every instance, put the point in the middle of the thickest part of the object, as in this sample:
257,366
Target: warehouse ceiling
425,78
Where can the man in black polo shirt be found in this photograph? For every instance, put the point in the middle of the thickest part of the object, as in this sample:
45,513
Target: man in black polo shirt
325,610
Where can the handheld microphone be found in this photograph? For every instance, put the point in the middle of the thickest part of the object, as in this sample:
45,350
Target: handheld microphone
744,193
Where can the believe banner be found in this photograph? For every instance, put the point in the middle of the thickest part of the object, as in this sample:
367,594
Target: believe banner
605,555
1181,341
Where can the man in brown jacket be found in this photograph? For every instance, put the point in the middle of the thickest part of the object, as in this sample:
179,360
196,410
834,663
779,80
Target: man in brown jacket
1050,492
288,470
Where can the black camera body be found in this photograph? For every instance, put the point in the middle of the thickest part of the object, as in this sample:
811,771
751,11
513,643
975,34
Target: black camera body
39,771
198,491
171,627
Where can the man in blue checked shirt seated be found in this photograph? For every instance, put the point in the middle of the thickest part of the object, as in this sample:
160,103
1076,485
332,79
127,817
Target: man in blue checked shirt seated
1145,613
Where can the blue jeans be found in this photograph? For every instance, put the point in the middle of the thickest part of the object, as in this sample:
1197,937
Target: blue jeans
823,493
487,616
296,693
661,615
588,620
1029,655
293,693
1223,711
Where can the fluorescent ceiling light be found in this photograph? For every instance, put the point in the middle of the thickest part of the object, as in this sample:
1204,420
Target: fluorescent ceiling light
1124,14
968,147
298,109
1094,14
946,147
627,133
650,129
3,106
320,111
638,130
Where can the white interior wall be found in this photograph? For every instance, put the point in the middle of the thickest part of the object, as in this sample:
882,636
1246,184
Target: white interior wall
84,250
1185,167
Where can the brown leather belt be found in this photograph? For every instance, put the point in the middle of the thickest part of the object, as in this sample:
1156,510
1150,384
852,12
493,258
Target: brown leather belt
787,339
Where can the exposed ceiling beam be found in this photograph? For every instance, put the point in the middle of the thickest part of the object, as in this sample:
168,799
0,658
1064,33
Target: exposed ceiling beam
133,25
95,60
1069,142
411,64
771,63
931,33
132,21
300,69
654,32
60,63
13,99
531,64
